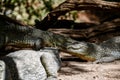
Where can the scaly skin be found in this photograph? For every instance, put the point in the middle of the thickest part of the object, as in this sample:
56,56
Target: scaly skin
13,35
105,52
22,36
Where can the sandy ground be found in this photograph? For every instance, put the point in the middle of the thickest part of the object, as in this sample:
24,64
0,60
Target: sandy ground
75,69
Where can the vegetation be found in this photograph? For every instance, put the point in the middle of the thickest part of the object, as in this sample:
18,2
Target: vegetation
27,10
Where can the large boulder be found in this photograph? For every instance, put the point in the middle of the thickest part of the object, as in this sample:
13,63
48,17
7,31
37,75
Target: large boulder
31,65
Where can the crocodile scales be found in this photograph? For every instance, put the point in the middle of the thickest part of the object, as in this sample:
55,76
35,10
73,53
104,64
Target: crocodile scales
106,51
15,35
29,37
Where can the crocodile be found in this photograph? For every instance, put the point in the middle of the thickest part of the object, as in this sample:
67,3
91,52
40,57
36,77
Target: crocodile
14,36
106,51
21,36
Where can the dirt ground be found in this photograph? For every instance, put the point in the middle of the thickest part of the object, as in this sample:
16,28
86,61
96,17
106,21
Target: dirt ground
75,69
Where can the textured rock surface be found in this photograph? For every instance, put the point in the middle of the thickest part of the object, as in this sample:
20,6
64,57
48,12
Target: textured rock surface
31,65
4,71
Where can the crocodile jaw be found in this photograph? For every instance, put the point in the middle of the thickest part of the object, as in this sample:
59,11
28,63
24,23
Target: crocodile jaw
81,50
79,47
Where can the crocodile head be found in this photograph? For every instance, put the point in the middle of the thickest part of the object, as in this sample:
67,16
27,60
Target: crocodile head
81,50
78,47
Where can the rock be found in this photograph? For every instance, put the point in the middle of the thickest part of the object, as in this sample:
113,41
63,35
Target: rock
4,71
32,65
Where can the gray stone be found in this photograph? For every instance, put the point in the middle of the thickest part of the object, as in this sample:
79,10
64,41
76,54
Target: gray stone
4,71
32,65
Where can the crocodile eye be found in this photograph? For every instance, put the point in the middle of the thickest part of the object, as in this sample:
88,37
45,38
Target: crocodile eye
75,46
